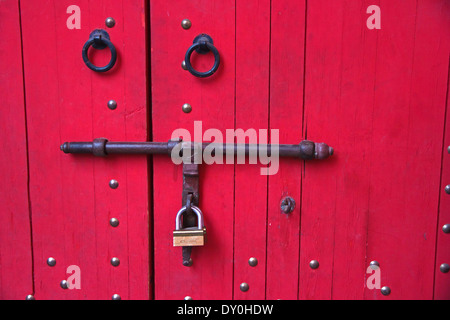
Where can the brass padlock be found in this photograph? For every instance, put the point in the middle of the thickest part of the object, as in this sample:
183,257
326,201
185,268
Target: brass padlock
191,236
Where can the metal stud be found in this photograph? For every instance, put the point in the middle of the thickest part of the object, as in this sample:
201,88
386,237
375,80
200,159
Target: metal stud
186,108
244,287
446,228
448,149
183,65
110,22
112,104
447,189
114,184
64,284
385,291
116,297
253,262
29,297
115,261
374,265
114,222
186,24
51,261
314,264
188,298
445,267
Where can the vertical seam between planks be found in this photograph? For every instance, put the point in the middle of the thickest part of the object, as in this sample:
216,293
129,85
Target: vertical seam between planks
268,139
124,92
149,119
27,151
303,164
234,164
370,164
440,181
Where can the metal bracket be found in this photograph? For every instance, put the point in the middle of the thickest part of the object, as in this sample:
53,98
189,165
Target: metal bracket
190,197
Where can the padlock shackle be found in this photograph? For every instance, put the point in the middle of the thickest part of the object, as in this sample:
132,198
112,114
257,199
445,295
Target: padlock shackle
196,210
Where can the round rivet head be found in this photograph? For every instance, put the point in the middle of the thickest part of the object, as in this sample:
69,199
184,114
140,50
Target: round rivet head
29,297
115,261
447,189
112,104
183,65
64,284
186,108
188,298
186,24
110,22
385,291
314,264
116,297
114,222
244,287
446,228
51,261
445,267
448,149
374,265
113,184
252,262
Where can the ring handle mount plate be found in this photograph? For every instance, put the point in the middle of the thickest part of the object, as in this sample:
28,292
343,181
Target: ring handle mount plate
99,39
98,35
202,39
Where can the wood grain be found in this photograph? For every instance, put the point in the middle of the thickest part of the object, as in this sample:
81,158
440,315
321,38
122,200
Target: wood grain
16,273
212,101
70,197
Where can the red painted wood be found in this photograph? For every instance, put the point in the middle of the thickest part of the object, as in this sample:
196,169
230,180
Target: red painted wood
378,97
311,69
442,280
212,103
286,115
16,278
71,200
252,105
411,84
339,94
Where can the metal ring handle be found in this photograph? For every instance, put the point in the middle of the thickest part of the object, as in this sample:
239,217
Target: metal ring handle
99,39
202,44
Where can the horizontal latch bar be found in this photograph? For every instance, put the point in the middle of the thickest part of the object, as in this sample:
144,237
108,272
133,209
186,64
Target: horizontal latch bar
101,147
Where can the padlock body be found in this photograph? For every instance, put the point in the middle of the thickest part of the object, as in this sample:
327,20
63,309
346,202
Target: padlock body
189,237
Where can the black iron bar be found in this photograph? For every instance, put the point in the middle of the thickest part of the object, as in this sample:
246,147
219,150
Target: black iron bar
101,147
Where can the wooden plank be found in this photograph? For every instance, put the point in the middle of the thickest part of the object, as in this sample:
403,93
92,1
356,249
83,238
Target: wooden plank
365,95
411,84
71,200
16,278
441,279
212,101
340,65
252,105
286,115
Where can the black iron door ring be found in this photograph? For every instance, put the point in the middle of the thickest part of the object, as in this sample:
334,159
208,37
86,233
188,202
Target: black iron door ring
99,39
203,44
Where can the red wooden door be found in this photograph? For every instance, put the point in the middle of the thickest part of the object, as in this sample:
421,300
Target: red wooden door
369,78
59,207
370,81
